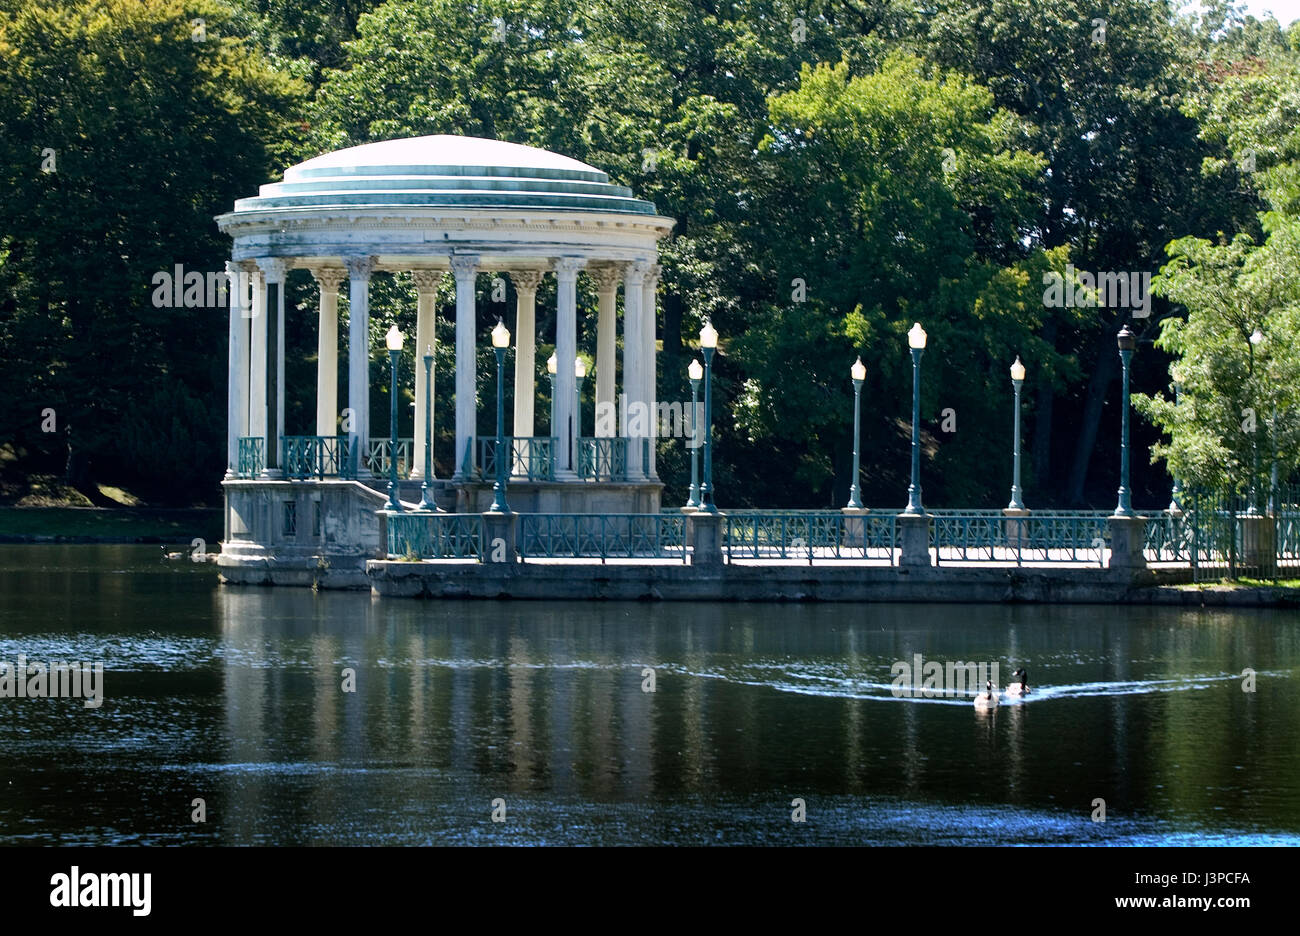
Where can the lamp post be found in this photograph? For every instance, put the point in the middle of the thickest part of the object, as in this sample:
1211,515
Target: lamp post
1017,380
696,372
859,373
500,341
426,489
916,338
394,341
1175,495
1256,339
708,344
1127,342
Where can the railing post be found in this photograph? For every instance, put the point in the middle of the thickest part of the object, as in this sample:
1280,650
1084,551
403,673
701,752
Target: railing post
914,540
500,538
1127,543
855,526
705,532
1016,529
1259,545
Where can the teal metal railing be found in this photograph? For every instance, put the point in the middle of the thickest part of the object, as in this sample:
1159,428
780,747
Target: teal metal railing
602,536
1288,539
1042,536
1168,537
435,536
252,456
318,457
808,535
379,454
603,458
531,457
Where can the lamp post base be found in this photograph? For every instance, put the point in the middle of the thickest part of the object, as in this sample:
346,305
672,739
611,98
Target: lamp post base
1127,542
914,540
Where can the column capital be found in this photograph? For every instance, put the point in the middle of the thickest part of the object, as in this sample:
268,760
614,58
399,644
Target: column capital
427,281
465,265
606,276
274,268
652,274
634,274
526,280
359,268
568,267
329,278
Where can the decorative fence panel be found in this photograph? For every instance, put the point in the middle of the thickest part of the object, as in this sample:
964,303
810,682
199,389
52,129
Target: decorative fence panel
603,459
252,456
531,457
318,457
379,454
435,536
809,535
991,536
602,536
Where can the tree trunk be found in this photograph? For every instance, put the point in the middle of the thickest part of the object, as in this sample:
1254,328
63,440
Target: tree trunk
671,309
1103,372
1044,398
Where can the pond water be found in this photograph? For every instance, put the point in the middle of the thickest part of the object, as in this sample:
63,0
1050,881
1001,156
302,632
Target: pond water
537,712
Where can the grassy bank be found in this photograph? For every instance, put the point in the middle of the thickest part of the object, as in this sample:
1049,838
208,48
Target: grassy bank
1241,584
109,524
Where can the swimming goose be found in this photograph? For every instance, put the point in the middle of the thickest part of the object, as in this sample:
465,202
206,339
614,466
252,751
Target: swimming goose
1018,687
988,699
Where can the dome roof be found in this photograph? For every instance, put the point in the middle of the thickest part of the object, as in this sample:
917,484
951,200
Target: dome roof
446,172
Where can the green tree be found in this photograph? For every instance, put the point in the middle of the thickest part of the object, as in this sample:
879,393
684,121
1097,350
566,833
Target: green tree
124,134
891,197
1102,89
1239,401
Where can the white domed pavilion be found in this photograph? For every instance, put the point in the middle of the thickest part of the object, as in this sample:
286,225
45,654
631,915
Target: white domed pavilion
432,206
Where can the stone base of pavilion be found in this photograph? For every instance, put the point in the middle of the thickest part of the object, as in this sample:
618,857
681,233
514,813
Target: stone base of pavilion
321,532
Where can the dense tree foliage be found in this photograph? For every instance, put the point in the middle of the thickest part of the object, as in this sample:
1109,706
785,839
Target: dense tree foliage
125,131
837,170
1238,407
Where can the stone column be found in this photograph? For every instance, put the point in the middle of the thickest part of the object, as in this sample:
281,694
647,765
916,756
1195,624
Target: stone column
327,349
465,269
635,418
359,270
526,283
606,277
426,339
237,388
274,271
257,359
566,352
650,372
